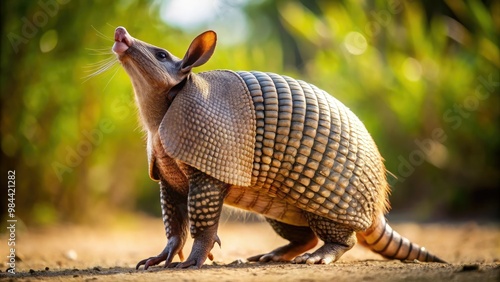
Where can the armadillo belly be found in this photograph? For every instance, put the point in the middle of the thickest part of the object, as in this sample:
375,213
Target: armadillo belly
313,153
260,202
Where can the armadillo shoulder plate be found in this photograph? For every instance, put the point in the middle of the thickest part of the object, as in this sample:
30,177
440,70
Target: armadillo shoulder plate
210,125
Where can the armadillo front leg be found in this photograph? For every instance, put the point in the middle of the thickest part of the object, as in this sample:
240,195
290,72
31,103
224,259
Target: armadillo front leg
338,239
175,219
205,199
301,238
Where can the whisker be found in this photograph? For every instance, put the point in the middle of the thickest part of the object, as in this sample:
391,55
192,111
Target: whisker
99,64
97,49
102,35
99,70
102,69
101,51
111,78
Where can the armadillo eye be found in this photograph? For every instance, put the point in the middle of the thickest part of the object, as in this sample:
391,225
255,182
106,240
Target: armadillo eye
161,56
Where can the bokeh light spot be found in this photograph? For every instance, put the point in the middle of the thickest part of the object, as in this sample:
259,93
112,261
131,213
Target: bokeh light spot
412,69
355,43
48,41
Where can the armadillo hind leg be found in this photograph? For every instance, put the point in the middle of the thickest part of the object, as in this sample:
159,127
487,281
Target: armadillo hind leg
174,212
338,239
205,200
301,238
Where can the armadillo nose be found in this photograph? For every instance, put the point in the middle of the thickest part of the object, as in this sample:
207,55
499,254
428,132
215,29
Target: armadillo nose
121,35
123,40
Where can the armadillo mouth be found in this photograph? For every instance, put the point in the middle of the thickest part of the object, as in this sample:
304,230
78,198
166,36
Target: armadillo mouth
123,41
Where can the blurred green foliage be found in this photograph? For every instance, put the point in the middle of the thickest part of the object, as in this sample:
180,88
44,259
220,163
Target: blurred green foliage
422,76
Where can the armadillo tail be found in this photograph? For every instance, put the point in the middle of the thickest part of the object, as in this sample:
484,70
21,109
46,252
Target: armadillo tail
382,239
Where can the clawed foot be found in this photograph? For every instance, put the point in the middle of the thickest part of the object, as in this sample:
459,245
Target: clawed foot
162,257
327,254
201,250
272,256
287,252
154,261
199,253
193,262
174,247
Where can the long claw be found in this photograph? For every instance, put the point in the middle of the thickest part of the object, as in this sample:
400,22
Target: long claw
217,240
142,262
328,253
287,252
272,256
174,247
172,265
255,258
150,262
188,263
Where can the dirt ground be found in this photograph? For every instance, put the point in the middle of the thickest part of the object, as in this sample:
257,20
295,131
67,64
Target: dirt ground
110,253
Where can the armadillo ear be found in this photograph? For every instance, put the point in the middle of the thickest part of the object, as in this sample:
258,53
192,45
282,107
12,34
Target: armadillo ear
200,50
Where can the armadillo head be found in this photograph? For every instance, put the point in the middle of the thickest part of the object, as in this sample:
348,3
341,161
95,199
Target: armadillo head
155,71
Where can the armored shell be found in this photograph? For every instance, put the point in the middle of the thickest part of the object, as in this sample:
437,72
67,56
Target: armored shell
284,138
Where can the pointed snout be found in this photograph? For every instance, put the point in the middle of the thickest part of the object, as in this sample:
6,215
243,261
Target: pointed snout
123,41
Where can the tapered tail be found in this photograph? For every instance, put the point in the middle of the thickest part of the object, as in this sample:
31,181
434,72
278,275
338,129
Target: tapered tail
382,239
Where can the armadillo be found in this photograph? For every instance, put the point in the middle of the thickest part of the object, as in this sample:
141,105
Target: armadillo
262,142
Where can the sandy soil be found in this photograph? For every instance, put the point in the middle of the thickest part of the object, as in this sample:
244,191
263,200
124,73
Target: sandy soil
110,254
